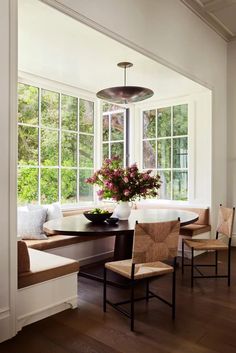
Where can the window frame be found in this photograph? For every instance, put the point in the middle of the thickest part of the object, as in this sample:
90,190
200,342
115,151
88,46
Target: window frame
138,136
61,89
125,140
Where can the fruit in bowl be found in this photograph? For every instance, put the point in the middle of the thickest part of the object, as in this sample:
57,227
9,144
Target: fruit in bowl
97,215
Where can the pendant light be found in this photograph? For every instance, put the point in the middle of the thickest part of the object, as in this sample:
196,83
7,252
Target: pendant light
125,94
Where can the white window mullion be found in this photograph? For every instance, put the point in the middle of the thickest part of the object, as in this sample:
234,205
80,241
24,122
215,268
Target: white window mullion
172,153
39,148
78,166
59,151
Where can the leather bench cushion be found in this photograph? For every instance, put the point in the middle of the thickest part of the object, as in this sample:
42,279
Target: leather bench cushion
44,267
55,241
194,229
22,257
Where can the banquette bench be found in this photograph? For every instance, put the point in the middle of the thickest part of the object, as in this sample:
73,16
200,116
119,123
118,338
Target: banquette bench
47,284
201,226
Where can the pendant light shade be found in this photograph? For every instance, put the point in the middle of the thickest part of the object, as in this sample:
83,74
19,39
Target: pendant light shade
125,94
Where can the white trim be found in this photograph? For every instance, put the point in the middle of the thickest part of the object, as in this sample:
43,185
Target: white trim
13,78
56,86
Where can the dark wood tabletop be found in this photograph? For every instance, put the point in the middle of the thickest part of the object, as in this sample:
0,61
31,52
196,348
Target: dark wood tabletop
79,225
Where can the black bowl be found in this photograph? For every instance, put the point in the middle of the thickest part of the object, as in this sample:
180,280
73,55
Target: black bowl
97,217
112,221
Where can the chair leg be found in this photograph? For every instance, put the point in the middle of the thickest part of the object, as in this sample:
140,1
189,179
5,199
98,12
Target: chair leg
132,307
229,266
216,262
192,266
182,256
173,294
105,290
147,290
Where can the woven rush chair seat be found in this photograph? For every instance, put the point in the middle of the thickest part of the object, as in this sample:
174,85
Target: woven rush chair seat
206,244
224,229
124,268
153,244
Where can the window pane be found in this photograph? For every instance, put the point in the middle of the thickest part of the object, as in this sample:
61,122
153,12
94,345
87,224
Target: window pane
180,119
49,147
27,185
105,128
109,107
85,116
86,150
49,108
68,149
117,149
68,185
85,190
165,189
27,145
49,185
164,122
69,111
180,152
105,151
28,106
149,124
149,154
164,153
117,126
180,185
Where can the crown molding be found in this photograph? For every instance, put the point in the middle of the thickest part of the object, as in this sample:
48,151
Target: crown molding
209,19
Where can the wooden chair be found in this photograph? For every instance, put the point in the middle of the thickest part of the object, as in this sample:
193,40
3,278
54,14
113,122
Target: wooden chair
152,244
225,228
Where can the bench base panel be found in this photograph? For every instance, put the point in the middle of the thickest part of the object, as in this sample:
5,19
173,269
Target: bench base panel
47,298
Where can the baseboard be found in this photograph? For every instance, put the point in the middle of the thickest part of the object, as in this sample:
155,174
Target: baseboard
42,313
5,324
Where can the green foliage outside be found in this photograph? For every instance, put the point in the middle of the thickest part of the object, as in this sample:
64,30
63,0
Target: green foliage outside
75,125
160,153
113,132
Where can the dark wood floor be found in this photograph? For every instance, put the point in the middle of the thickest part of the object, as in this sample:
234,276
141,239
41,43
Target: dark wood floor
205,322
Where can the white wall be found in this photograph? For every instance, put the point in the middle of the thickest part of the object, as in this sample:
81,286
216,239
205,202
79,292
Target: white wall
231,142
170,33
7,221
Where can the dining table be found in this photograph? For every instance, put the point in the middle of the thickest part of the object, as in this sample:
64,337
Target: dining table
78,225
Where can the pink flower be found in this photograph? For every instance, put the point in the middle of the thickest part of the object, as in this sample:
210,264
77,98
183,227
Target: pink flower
126,192
146,176
100,193
126,179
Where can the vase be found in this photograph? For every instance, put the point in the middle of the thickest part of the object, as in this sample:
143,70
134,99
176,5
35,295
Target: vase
122,210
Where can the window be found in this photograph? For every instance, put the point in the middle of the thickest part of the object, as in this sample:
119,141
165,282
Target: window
165,148
55,146
114,128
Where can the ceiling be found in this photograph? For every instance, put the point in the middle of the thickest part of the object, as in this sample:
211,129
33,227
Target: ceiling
57,47
218,14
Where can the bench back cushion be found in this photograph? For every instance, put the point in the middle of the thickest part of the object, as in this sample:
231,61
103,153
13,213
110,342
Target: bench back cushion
203,213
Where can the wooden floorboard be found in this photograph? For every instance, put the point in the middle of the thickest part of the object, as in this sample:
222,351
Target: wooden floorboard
205,321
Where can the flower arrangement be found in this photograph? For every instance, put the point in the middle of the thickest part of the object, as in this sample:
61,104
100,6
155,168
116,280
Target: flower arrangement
124,184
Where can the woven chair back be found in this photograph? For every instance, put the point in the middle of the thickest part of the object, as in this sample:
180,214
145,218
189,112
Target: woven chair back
155,241
225,221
